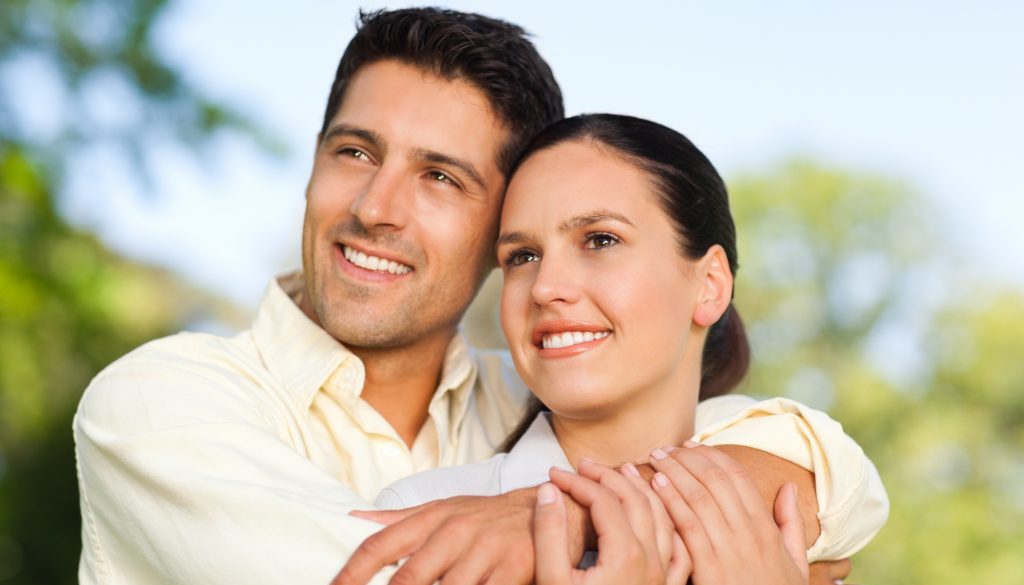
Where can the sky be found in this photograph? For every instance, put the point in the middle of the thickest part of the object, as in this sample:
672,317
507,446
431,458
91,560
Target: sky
926,92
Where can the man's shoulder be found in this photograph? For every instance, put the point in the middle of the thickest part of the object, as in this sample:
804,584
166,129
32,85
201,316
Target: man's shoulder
184,378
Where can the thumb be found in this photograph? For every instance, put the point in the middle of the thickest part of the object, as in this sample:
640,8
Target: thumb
550,539
791,524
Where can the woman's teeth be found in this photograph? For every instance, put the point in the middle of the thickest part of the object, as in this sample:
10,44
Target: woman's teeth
559,340
374,263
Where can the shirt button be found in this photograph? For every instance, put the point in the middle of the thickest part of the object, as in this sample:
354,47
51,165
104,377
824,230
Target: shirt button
392,450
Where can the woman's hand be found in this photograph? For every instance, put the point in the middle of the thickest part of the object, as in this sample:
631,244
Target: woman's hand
728,532
636,539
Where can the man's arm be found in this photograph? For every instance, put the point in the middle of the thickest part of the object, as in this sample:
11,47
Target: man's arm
796,432
787,441
181,482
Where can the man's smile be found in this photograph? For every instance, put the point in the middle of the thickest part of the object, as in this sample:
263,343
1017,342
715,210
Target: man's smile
375,263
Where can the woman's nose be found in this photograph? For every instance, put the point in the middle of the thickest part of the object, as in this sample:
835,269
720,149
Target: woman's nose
556,282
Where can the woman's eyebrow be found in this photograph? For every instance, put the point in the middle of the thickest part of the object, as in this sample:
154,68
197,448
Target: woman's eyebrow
579,221
573,223
512,238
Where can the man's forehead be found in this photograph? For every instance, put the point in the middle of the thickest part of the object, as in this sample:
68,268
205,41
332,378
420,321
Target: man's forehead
412,108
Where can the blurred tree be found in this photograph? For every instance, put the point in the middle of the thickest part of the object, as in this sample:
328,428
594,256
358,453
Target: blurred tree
850,306
68,306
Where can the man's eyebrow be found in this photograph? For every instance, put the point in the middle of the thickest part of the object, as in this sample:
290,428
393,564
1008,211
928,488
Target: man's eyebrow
339,130
593,217
467,168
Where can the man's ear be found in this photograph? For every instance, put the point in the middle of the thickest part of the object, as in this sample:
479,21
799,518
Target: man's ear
715,292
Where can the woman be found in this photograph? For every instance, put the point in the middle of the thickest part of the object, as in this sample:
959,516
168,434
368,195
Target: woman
618,252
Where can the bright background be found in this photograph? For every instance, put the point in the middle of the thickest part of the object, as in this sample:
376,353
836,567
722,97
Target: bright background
154,154
928,92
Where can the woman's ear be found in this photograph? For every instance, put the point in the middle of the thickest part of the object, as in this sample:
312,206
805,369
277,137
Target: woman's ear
715,292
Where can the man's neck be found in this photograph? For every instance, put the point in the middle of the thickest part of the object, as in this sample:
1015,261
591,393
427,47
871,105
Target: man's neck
400,382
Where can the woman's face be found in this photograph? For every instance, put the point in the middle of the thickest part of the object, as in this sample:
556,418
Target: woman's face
598,303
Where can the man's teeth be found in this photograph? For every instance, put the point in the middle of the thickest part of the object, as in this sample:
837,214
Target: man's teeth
374,263
559,340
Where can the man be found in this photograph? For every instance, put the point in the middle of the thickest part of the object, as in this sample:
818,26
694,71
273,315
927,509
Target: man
213,460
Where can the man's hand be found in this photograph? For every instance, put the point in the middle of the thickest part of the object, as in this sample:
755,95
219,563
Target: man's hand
467,539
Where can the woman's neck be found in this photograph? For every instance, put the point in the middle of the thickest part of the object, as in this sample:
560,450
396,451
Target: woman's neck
628,435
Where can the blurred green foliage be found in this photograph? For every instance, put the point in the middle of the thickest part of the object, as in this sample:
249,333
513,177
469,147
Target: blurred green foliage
854,305
68,306
851,301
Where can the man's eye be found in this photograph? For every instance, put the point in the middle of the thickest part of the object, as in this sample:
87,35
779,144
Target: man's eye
520,257
599,241
441,177
354,153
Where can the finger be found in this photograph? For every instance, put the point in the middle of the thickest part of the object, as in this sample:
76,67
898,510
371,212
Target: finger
606,511
721,484
550,538
392,543
439,553
686,522
699,500
636,505
664,530
740,477
681,566
388,517
791,524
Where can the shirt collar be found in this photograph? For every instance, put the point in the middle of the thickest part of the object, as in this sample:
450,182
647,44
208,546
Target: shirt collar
529,461
458,375
300,354
304,358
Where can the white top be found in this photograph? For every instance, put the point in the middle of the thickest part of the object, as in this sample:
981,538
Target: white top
206,459
853,507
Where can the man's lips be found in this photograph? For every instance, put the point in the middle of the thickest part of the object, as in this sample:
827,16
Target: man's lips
374,261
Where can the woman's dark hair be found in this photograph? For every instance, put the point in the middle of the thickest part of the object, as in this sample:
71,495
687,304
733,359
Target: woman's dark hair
695,200
493,55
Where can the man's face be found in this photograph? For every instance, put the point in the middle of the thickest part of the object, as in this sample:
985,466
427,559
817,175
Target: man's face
402,208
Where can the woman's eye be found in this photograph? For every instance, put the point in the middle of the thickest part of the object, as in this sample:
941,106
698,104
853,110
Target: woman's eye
520,257
598,241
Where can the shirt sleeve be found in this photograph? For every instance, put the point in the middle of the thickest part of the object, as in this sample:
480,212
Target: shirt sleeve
852,502
172,492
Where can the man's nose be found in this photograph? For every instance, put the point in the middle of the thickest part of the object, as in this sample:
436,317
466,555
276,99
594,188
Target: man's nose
385,200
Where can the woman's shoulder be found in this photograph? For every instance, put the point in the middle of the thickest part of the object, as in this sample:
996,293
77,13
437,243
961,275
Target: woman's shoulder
474,479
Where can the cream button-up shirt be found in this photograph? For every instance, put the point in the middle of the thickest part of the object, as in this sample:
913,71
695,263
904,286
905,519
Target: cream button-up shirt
204,459
852,502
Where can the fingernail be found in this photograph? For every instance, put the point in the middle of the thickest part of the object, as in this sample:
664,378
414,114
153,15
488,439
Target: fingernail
585,460
661,479
546,494
670,448
630,469
690,444
659,454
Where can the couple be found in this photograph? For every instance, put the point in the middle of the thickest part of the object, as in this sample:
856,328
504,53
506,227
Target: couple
220,460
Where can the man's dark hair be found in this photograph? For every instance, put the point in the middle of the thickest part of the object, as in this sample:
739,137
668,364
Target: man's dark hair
493,55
